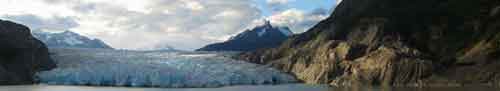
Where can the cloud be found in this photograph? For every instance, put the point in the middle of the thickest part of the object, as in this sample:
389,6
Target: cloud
338,1
139,24
39,23
284,13
277,1
299,21
185,24
278,5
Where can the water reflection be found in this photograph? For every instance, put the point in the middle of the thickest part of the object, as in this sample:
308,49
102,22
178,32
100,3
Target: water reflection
371,88
289,87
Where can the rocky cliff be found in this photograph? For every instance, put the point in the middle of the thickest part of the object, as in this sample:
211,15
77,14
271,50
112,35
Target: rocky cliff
21,55
396,43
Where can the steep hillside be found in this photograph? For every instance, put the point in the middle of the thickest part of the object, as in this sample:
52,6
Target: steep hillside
396,42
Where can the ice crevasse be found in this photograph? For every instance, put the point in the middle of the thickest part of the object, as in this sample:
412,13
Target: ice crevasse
105,67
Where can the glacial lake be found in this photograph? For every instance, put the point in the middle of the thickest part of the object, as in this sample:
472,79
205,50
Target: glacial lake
288,87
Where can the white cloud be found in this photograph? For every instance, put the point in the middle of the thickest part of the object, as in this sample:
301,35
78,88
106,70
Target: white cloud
277,1
278,5
338,1
137,24
288,17
40,23
193,5
298,21
34,7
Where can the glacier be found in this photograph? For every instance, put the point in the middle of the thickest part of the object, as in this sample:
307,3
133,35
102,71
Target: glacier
107,67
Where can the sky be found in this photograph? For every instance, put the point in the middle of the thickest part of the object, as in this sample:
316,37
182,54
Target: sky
148,24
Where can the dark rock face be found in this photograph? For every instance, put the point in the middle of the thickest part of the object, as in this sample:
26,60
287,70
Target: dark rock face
69,39
397,43
21,55
265,36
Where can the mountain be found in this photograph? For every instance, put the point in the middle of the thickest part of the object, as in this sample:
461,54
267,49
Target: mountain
264,36
18,50
395,43
68,39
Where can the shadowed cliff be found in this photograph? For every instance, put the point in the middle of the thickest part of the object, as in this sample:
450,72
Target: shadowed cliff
21,55
396,43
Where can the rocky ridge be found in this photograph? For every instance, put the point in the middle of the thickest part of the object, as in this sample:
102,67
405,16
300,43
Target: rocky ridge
395,43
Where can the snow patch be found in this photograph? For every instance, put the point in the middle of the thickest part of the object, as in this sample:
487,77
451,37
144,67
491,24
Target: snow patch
286,31
262,32
72,41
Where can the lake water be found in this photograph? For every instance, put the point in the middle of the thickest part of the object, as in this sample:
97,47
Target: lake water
292,87
289,87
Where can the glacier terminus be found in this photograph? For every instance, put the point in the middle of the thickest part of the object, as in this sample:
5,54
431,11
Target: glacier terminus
107,67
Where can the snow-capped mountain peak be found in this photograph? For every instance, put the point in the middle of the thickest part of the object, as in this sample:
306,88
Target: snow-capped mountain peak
268,26
68,39
262,36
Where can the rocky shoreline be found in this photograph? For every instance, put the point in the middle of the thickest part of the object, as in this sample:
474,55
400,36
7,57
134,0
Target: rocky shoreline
395,43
